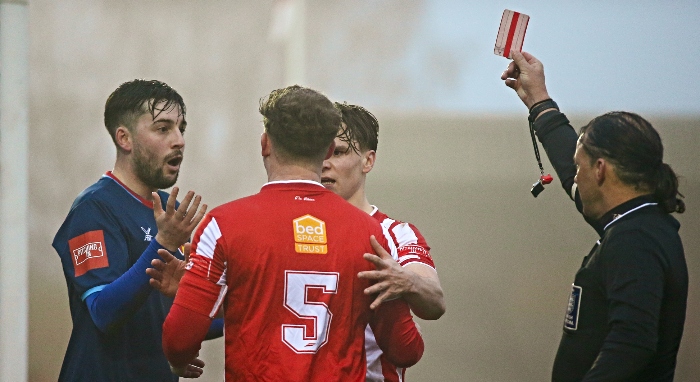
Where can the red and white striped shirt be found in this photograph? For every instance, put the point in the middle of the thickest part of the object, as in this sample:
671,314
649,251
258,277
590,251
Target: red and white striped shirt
411,248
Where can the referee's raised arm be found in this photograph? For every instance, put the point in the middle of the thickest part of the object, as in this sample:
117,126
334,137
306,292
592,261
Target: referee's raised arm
525,75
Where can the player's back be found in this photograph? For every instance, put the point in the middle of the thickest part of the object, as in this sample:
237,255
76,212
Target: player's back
295,309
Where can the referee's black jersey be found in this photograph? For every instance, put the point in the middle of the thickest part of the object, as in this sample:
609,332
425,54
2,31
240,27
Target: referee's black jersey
626,310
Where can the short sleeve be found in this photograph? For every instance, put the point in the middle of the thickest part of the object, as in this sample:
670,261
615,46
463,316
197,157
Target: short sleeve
92,249
204,284
411,245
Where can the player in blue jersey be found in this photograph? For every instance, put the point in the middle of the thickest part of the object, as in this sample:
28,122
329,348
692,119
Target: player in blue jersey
112,233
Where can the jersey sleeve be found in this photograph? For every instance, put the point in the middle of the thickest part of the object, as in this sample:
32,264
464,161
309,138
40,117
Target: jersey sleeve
411,246
558,139
92,249
203,287
200,294
397,334
183,333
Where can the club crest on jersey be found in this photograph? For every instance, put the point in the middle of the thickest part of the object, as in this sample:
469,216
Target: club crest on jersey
88,252
310,235
572,310
147,231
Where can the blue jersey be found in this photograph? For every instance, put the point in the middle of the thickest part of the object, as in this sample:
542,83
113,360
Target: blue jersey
106,231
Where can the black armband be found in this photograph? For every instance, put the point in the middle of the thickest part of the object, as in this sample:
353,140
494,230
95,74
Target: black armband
541,106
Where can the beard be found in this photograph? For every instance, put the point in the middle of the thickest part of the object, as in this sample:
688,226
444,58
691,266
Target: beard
150,170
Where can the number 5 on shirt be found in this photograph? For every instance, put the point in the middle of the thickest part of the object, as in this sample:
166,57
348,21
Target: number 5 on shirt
296,285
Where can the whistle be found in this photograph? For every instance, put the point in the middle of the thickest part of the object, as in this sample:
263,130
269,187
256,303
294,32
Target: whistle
538,187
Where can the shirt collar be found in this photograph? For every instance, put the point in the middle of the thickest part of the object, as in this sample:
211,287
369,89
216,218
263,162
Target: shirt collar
625,208
299,182
374,210
133,194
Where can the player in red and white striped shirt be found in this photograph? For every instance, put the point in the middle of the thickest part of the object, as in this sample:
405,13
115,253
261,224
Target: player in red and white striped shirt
411,275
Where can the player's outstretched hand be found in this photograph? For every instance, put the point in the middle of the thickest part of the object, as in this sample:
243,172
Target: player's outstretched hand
525,75
192,370
166,273
392,280
175,225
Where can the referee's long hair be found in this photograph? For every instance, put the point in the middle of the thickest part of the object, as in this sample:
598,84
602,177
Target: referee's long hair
635,149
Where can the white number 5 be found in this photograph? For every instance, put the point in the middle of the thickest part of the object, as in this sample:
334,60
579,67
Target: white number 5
296,288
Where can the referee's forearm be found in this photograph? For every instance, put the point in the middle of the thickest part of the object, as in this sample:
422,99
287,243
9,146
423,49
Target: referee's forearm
558,139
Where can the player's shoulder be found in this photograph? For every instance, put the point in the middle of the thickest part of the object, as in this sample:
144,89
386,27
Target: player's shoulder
391,223
236,206
341,213
94,206
104,193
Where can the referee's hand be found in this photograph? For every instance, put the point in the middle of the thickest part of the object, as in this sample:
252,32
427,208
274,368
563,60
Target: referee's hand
525,75
392,280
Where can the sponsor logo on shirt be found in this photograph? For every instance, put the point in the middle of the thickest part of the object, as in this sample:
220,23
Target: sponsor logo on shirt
571,318
310,235
88,252
413,249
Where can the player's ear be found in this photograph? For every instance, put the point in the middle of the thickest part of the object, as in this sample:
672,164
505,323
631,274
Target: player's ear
331,148
124,139
368,158
265,145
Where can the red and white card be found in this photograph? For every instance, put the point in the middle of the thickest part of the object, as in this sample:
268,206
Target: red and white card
511,33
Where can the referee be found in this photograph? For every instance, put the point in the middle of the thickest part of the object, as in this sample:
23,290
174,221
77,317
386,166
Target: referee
626,311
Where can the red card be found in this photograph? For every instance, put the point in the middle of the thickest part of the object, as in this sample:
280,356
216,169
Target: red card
511,33
88,252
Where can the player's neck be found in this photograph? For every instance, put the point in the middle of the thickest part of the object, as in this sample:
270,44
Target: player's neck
359,200
125,174
292,172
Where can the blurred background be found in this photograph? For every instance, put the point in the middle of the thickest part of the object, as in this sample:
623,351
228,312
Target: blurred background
454,157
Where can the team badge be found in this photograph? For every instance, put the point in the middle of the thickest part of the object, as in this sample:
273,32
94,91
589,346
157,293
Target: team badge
571,319
88,252
310,235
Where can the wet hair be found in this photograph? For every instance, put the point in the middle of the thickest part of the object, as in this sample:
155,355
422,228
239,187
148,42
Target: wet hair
634,147
134,98
361,131
301,123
